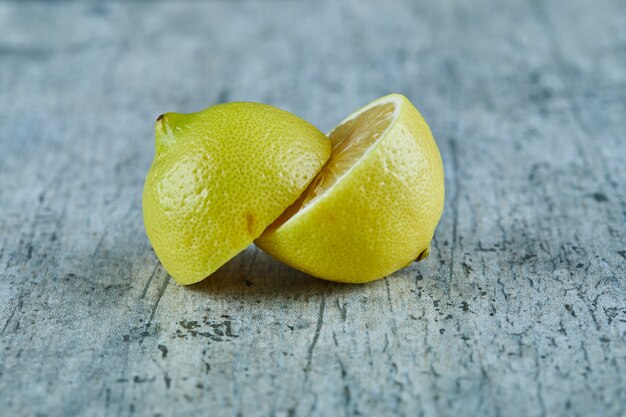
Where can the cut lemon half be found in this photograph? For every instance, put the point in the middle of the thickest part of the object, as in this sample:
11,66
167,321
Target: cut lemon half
374,206
220,177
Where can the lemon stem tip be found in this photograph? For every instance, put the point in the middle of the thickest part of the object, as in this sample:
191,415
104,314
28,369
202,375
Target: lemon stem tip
423,254
164,134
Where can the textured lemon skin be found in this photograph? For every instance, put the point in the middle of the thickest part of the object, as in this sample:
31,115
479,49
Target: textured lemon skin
220,177
376,219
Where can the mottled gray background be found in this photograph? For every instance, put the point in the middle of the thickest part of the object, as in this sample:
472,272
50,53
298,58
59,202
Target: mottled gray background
519,311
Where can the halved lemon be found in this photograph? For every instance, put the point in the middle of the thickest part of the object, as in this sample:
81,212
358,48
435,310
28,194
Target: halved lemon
374,206
220,177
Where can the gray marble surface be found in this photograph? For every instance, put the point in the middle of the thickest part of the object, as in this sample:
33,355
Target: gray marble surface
519,311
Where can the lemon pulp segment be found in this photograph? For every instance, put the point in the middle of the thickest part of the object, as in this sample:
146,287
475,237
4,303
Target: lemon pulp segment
350,140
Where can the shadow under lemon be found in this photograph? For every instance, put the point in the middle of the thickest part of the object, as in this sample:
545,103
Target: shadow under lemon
253,273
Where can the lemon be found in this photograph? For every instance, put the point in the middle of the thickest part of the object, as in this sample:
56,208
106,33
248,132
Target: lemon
374,206
220,177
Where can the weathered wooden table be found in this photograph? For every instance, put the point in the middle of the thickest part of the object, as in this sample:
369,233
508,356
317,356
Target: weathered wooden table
519,311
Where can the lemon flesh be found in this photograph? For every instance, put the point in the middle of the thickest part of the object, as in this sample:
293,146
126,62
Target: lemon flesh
374,206
220,177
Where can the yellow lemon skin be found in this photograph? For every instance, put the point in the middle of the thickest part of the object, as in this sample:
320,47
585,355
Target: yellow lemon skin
220,177
378,217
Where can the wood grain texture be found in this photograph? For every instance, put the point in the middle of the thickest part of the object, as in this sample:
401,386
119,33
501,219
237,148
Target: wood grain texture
519,311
